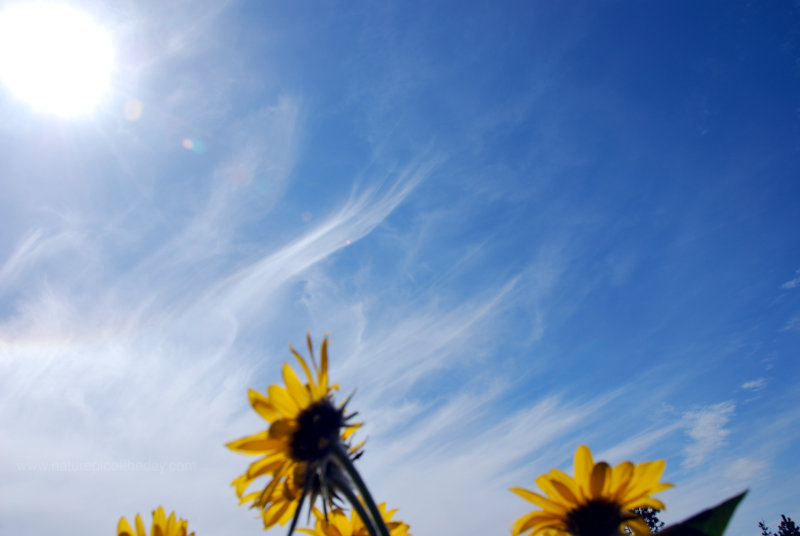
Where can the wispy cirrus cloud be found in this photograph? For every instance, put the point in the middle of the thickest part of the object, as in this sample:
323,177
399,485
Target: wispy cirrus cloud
466,444
146,359
792,283
354,220
706,427
755,385
793,324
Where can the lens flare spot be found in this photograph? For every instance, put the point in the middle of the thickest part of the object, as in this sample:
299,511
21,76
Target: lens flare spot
196,146
133,110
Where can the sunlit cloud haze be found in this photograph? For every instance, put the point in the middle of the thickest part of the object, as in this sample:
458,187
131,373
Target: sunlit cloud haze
526,226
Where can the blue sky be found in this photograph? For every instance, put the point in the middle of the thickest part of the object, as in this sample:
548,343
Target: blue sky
526,225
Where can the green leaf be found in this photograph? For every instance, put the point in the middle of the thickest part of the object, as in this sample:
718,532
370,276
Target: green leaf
711,522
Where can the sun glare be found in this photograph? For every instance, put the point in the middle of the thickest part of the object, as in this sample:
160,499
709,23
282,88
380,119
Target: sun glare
54,57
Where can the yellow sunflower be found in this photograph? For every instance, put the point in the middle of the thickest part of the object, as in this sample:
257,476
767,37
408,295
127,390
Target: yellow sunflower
338,524
304,428
597,502
162,526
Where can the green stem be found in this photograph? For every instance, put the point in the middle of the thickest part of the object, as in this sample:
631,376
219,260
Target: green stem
346,463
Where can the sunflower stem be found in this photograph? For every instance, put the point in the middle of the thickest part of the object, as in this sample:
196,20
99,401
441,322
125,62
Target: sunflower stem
359,508
299,506
345,463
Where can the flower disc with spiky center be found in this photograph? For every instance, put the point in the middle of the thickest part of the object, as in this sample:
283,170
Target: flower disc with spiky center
162,526
318,428
595,518
296,448
597,502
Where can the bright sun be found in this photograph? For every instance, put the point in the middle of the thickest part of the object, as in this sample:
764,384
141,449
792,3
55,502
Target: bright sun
54,57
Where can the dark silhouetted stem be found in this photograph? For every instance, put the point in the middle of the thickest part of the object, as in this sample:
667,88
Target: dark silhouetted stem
359,508
346,463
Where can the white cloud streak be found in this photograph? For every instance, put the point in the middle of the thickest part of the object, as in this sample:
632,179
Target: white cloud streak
706,427
793,324
101,388
353,221
792,283
755,385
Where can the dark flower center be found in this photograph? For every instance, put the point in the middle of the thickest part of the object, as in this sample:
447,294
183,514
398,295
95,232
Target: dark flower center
318,429
596,518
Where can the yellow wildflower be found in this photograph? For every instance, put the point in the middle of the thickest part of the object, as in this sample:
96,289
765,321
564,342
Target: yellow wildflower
596,502
338,524
162,526
295,450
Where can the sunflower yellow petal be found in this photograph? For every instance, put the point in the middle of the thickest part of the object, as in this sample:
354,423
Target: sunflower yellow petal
357,447
309,343
171,526
552,492
600,480
277,477
521,524
250,497
263,466
257,444
323,368
240,483
282,429
318,514
288,514
261,405
661,486
533,518
638,526
312,387
540,528
159,520
645,477
356,525
567,481
123,528
140,530
620,479
297,390
274,513
350,430
282,402
564,486
644,502
339,520
538,500
651,472
583,470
